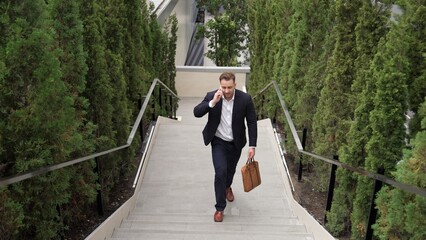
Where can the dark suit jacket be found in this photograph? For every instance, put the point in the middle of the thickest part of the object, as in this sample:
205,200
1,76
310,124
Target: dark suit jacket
243,109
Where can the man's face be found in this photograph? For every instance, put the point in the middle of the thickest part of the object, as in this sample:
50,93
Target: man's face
228,87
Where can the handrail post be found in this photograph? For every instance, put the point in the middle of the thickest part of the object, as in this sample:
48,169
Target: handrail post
165,101
99,199
274,119
160,98
141,123
166,105
373,210
300,169
171,105
331,182
153,109
172,100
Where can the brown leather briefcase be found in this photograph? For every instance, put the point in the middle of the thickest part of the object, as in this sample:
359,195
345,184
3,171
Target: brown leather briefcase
251,175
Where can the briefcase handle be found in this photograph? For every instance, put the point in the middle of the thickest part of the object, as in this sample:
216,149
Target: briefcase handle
250,160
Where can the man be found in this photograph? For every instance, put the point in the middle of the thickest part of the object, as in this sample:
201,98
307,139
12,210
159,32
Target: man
225,130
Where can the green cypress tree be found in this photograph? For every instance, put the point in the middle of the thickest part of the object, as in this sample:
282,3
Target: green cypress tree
11,215
268,23
370,28
158,56
115,31
258,21
99,89
306,38
274,38
137,76
147,49
171,31
4,29
69,40
417,76
11,211
316,15
158,59
384,148
402,214
39,119
293,53
168,77
278,15
333,111
148,41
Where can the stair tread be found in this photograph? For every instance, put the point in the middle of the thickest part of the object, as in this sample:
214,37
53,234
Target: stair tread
206,234
213,227
202,236
208,218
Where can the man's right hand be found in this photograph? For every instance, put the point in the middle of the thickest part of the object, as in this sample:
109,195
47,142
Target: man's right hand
217,96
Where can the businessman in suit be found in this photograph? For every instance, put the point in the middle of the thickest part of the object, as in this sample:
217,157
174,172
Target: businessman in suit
225,131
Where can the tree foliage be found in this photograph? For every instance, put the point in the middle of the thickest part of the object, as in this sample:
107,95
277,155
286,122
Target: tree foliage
371,27
386,119
71,73
330,122
348,71
39,119
403,215
226,31
223,43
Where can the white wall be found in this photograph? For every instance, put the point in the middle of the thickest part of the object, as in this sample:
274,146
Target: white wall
197,81
185,14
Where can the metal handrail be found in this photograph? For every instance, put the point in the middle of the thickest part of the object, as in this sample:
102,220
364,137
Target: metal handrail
286,113
23,176
376,176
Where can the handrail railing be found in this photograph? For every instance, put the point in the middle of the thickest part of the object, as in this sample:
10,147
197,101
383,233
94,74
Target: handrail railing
286,112
378,177
23,176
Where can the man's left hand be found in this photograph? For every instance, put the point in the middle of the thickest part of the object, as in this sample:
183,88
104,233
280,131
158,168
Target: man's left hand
251,153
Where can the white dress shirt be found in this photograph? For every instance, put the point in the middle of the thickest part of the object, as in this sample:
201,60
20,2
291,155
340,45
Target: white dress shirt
224,130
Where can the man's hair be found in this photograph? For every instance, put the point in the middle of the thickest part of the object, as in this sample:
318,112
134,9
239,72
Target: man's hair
227,76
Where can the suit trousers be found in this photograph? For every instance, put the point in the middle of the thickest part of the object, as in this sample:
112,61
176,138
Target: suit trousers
225,159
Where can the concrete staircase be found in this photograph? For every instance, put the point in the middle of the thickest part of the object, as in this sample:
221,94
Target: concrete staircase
176,198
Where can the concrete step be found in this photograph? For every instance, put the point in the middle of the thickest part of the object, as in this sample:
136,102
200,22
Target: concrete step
211,233
212,226
135,218
143,225
165,236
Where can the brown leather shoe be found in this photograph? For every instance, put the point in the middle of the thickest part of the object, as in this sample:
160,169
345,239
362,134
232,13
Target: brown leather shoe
229,194
218,216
